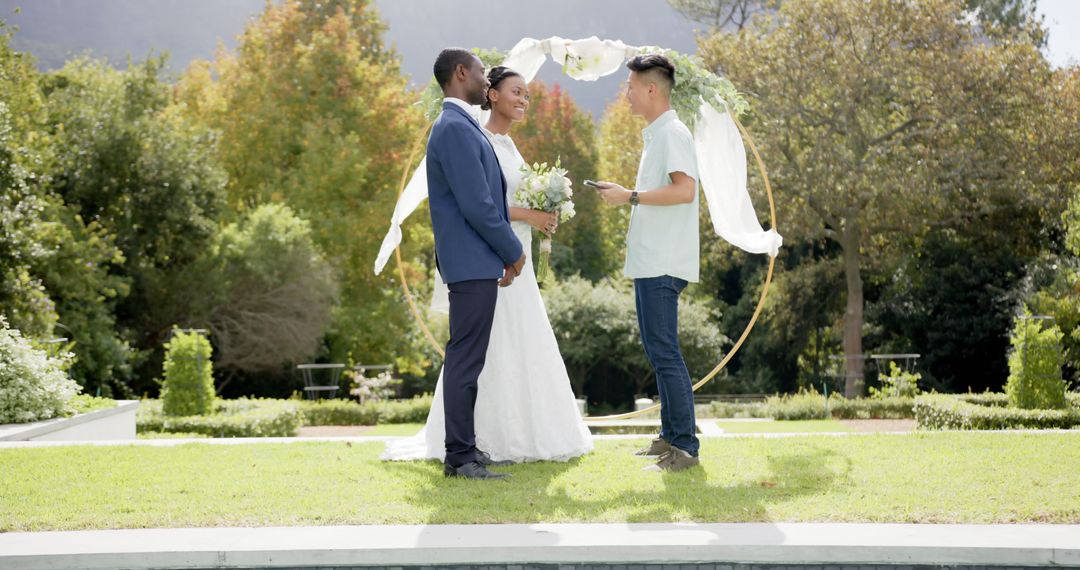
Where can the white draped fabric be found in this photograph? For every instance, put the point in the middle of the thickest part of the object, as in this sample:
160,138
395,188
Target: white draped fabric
719,147
721,159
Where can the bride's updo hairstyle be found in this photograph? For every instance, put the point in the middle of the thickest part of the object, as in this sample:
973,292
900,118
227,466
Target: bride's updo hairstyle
495,77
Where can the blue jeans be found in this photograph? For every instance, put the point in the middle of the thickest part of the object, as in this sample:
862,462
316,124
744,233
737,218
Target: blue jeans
658,318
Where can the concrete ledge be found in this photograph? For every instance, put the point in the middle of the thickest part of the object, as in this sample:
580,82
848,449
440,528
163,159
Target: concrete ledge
350,546
117,423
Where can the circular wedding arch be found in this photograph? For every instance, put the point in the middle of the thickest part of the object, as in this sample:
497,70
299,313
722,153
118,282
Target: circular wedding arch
747,138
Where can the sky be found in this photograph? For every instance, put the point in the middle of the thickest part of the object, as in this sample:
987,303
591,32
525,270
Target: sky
1063,22
55,30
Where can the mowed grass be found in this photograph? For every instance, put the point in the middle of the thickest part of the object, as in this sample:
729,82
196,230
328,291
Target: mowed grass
800,426
806,426
943,477
395,429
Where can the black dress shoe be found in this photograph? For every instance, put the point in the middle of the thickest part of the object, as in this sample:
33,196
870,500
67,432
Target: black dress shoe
472,470
484,459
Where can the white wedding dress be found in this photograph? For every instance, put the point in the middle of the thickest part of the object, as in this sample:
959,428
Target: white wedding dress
525,409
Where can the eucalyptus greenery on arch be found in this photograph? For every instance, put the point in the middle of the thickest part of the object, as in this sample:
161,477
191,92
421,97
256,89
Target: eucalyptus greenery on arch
707,103
694,84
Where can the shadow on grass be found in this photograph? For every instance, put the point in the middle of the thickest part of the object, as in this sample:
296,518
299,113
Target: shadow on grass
615,489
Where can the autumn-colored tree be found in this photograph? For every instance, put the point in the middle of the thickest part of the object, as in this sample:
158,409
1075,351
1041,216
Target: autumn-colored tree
619,147
556,128
885,118
314,112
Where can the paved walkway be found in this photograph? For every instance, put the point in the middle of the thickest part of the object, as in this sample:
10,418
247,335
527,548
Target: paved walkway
829,545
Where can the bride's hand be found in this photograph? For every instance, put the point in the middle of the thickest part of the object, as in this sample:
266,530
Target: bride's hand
544,222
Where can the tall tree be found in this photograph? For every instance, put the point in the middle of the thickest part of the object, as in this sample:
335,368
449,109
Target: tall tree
274,295
314,112
556,128
149,178
1010,16
720,14
884,118
24,158
55,266
620,142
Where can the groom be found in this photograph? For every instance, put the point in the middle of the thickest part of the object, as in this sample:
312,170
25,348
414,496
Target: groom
476,251
662,250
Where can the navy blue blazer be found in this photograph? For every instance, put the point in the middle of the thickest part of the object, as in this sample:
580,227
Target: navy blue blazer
467,195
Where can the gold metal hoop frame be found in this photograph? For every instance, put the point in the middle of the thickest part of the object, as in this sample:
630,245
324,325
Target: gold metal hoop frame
712,374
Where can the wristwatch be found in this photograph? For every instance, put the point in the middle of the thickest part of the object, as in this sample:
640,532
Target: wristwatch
634,198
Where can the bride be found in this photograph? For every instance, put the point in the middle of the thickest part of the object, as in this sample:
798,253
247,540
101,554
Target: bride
525,409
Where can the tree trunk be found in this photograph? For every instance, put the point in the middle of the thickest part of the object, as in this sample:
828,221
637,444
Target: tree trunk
853,314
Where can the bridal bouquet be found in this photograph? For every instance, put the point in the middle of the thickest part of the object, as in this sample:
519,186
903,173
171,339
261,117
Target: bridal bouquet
546,188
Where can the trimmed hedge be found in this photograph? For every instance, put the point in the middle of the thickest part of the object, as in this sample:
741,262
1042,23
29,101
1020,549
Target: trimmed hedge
350,413
733,410
1002,400
171,435
231,418
985,412
280,418
85,403
188,389
811,406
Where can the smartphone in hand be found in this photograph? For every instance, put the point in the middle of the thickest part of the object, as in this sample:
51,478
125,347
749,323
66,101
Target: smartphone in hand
593,184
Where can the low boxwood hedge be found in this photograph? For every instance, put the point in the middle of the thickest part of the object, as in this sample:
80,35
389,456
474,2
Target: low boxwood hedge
350,413
242,417
811,406
251,417
989,412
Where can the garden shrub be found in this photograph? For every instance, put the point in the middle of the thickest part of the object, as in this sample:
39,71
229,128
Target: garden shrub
946,411
733,410
810,405
350,413
33,385
188,389
372,388
597,329
896,384
1035,360
85,403
242,417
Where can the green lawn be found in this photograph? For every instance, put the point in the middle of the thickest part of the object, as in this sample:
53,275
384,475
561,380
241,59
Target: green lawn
943,477
793,426
798,426
395,429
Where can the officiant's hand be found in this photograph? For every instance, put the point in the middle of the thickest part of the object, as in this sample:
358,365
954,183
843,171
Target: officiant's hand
544,222
613,194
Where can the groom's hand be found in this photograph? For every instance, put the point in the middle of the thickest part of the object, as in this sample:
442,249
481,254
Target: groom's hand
613,193
512,271
508,276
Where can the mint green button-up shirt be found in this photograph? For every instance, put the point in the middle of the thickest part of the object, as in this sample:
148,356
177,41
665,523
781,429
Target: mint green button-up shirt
663,240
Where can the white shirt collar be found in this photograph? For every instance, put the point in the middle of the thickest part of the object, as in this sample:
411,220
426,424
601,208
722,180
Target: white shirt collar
658,123
472,110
